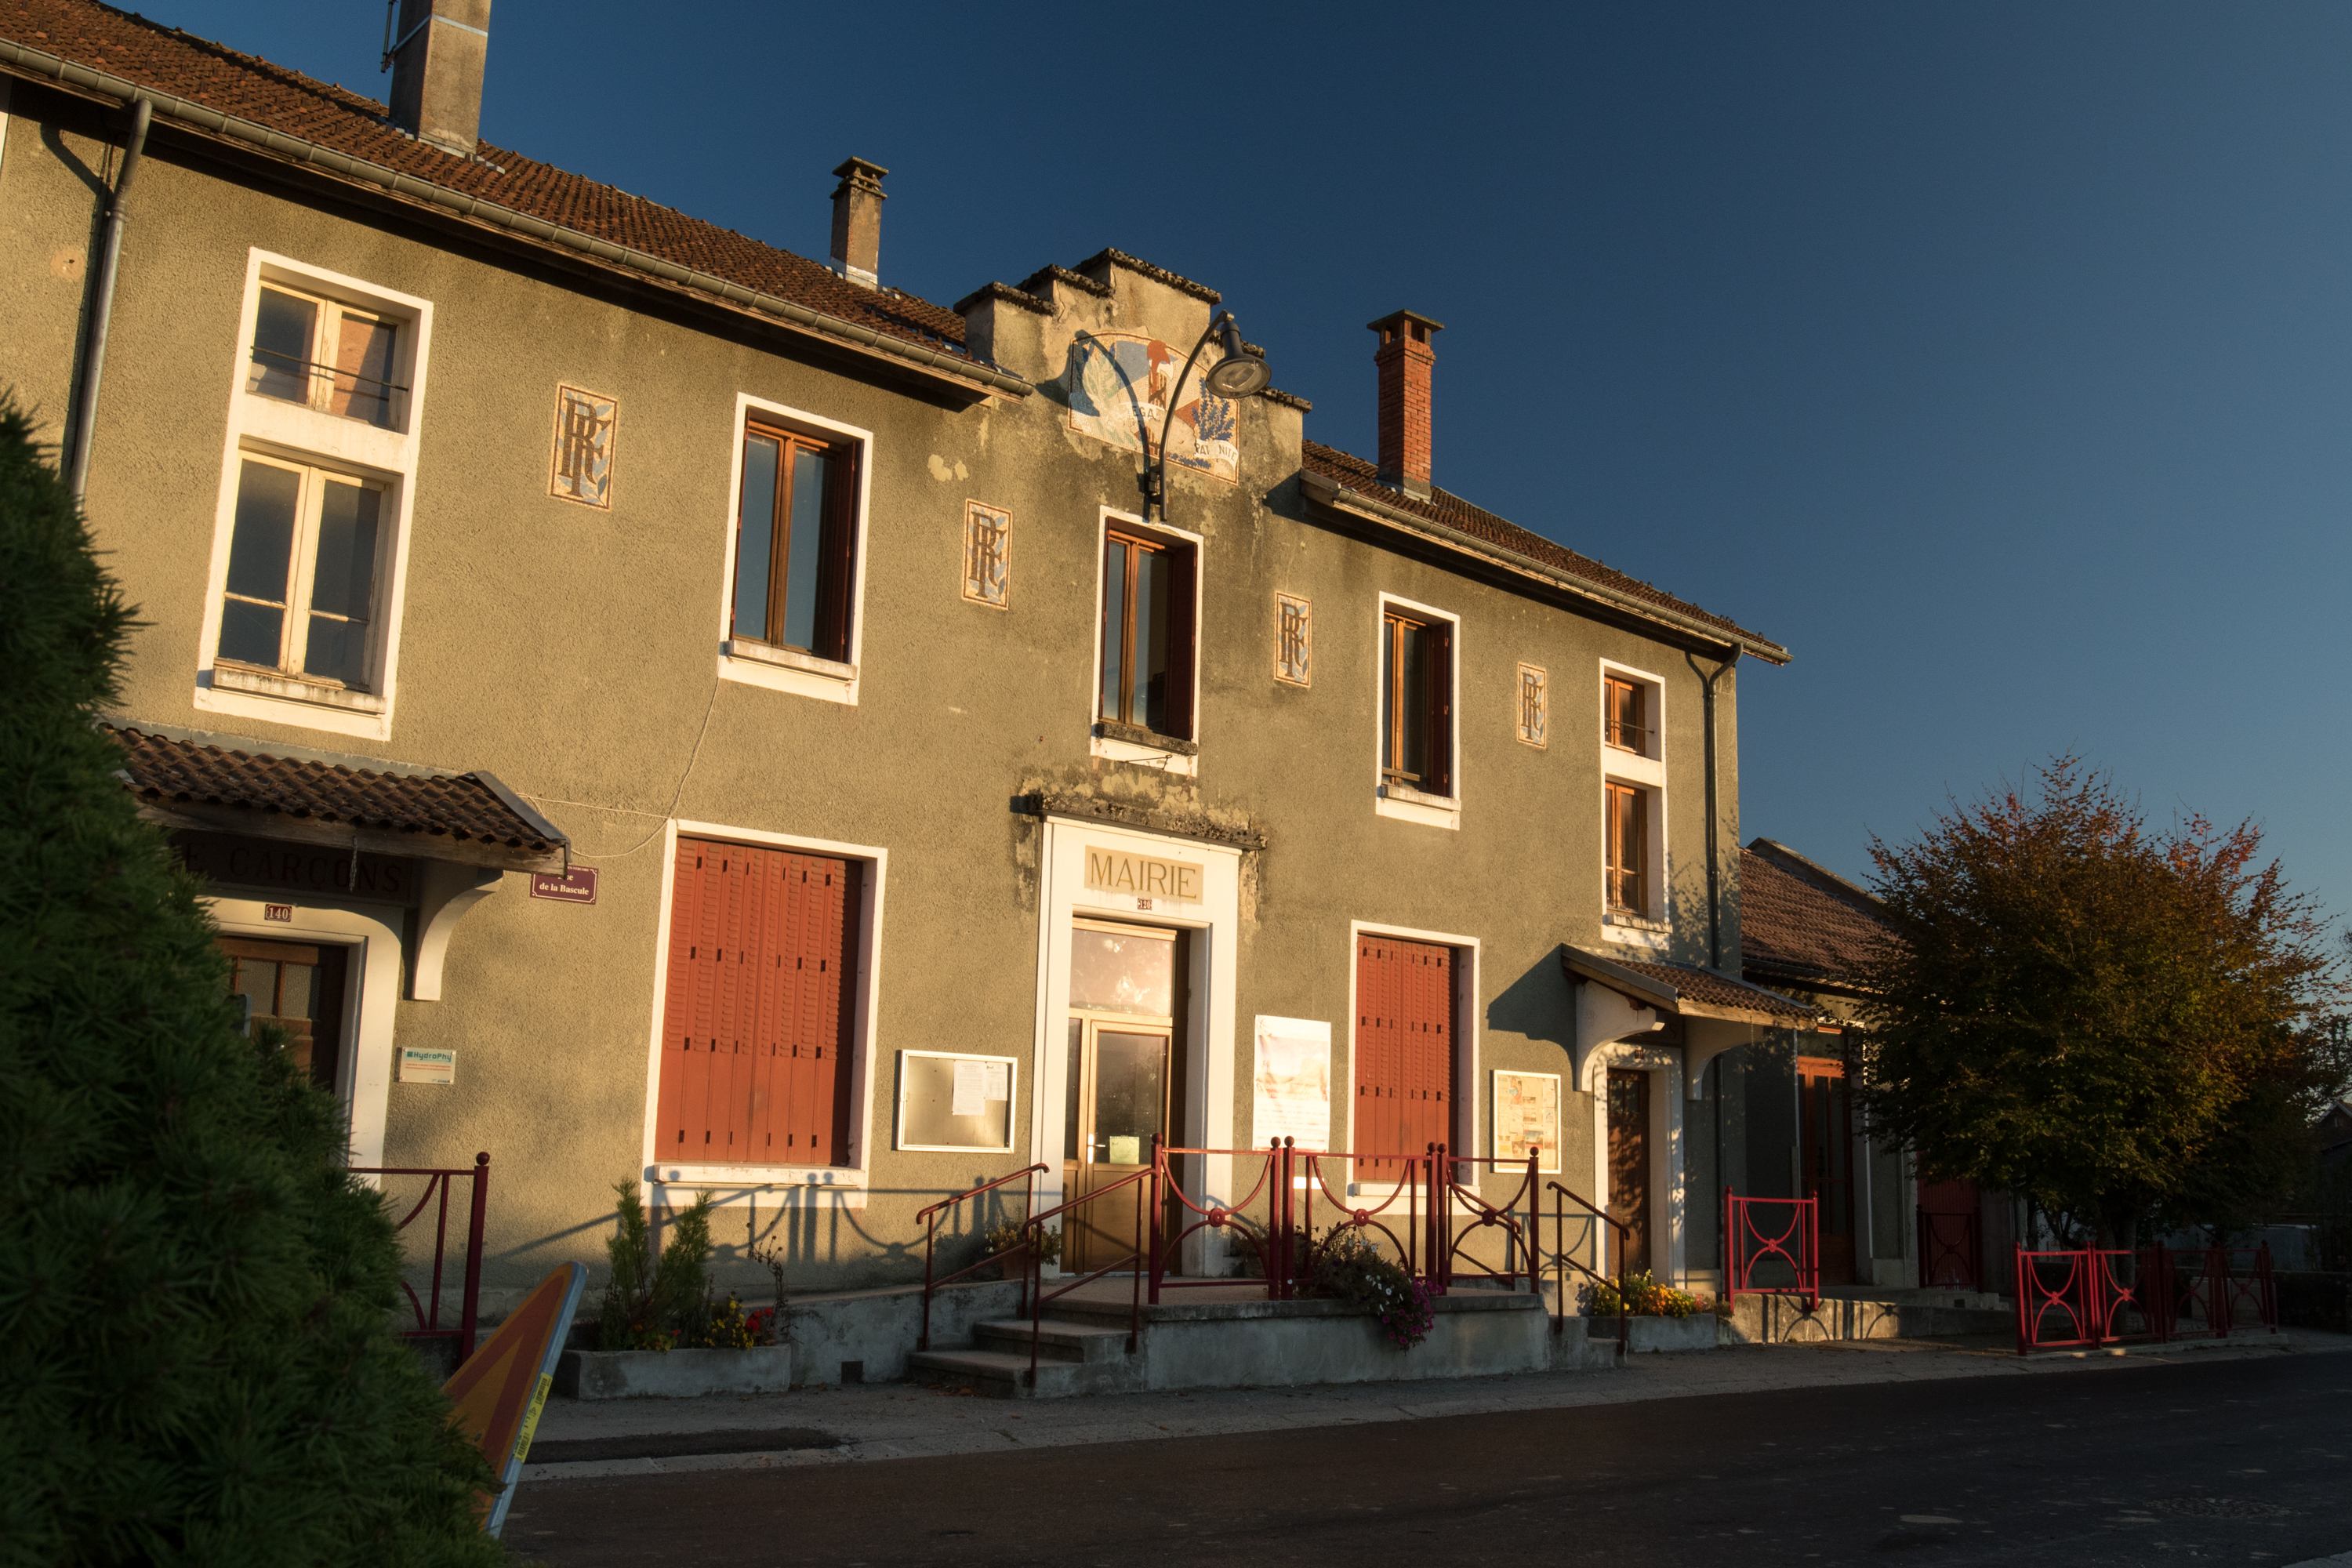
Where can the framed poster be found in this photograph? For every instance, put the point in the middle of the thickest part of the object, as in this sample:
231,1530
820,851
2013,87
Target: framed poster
1526,1116
1292,1082
952,1102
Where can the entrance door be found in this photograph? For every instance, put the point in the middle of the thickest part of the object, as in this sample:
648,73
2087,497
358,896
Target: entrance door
1404,1052
1827,1154
1629,1167
1121,1082
299,988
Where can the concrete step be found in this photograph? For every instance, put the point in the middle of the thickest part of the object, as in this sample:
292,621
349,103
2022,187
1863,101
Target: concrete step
1001,1374
1057,1340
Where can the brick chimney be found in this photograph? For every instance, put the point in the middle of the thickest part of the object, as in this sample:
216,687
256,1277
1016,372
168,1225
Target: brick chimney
437,50
857,222
1405,357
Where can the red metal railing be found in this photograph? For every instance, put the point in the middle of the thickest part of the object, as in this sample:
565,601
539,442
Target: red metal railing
2210,1290
1561,1261
1951,1250
436,1185
1747,1243
2079,1298
1144,1181
2095,1296
929,1219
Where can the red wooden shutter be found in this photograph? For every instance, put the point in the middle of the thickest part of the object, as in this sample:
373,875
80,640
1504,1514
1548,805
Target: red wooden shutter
756,1015
1440,780
1404,1048
1183,627
839,571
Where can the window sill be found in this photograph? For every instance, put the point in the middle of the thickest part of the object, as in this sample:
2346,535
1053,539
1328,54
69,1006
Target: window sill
1405,791
789,658
292,688
1149,739
783,1186
1637,923
1636,931
1405,804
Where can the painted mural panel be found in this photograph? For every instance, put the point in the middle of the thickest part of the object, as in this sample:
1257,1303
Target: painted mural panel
1120,387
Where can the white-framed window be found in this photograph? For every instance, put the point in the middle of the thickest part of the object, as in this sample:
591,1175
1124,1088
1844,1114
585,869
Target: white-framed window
791,616
1147,645
309,564
1417,744
1633,806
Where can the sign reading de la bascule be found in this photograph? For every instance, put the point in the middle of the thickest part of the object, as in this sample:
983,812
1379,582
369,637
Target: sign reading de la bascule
1145,876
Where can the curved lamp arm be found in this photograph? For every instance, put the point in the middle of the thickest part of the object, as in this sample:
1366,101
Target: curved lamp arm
1155,495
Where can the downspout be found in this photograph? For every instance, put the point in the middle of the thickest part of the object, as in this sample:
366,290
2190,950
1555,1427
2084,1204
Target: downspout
102,306
1713,822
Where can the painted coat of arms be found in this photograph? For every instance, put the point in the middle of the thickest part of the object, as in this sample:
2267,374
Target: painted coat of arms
1121,386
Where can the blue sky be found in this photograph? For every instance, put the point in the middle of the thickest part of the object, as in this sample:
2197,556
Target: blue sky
1993,357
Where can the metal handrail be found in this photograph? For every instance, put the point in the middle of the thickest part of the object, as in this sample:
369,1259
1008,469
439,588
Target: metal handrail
929,1219
428,1324
1559,1255
1035,1229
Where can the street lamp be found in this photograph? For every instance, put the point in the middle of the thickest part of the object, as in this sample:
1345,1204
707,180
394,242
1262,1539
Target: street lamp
1239,374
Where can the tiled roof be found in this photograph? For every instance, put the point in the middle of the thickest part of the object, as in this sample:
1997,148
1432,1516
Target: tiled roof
1710,988
250,88
457,808
1794,928
1453,511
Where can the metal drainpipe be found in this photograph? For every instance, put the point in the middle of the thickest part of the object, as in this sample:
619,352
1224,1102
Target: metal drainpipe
102,307
1714,824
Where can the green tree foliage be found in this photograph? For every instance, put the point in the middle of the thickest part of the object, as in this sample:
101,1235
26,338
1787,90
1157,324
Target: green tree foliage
195,1365
2095,1015
650,1303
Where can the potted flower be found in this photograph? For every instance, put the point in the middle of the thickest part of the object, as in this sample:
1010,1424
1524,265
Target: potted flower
1011,1239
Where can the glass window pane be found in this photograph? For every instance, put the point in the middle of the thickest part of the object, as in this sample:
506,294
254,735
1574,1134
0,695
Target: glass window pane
1071,1086
1114,628
1149,701
804,562
342,583
1122,973
1129,1098
756,536
262,547
251,634
362,380
1414,700
257,978
1388,694
283,328
295,987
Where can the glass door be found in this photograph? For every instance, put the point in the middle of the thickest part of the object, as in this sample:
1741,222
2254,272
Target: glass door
1119,1083
1828,1161
299,988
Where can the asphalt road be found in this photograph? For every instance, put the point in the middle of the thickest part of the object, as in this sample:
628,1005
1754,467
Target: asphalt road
2244,1461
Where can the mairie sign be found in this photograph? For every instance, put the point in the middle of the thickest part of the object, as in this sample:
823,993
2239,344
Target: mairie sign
1145,876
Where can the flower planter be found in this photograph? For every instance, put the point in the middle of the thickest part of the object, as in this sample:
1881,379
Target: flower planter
1014,1265
673,1374
1696,1332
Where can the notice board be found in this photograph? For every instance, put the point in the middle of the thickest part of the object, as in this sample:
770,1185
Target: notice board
950,1101
1526,1116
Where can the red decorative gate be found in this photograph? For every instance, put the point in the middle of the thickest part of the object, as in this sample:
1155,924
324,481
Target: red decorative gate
1773,1234
1951,1251
436,1186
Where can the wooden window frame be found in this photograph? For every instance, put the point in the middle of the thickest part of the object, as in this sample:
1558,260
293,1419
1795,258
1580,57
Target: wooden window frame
1431,709
319,370
1183,627
1626,803
1614,726
301,576
837,562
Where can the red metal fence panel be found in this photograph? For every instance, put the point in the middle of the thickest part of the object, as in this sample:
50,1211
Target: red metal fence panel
1951,1250
436,1186
1775,1234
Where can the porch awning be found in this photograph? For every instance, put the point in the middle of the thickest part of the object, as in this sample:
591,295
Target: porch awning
1689,991
226,784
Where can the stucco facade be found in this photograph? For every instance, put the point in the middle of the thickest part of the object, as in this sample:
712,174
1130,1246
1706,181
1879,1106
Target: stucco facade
580,655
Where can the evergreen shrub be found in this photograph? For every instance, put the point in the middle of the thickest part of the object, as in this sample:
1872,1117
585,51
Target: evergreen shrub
195,1361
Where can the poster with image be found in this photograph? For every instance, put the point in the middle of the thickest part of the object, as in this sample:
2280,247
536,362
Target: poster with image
1526,1116
1293,1082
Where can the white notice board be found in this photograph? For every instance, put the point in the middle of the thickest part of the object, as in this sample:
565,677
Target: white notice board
951,1102
1292,1083
1526,1116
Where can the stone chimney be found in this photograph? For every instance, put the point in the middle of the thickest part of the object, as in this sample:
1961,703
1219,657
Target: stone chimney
437,50
857,222
1405,357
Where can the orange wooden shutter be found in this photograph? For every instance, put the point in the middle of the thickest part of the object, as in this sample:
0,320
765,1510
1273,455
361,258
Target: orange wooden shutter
1404,1049
756,1015
1441,709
